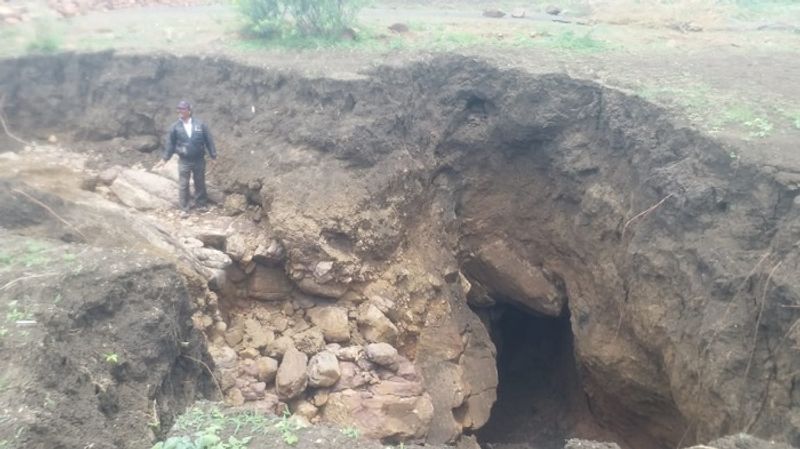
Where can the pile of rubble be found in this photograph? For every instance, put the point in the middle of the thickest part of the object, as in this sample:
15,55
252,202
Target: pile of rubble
278,346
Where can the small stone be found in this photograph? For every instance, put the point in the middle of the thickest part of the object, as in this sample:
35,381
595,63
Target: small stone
350,353
374,325
235,204
292,377
399,27
250,353
266,368
224,357
279,347
310,341
257,335
518,13
235,397
332,321
323,370
553,10
234,336
493,13
320,397
236,246
382,354
52,139
304,408
322,271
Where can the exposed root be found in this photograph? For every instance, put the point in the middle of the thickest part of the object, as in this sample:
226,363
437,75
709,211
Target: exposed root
758,319
52,212
210,373
645,213
24,278
5,126
739,290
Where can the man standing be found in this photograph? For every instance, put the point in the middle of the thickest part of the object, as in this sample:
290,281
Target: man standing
190,139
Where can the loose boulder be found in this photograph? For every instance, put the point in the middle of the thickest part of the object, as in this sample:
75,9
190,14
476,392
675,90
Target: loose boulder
292,377
332,321
323,370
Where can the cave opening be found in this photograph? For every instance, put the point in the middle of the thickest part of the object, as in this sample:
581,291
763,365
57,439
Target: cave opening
540,400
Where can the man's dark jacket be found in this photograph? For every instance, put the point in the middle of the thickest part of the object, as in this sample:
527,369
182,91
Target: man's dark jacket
189,148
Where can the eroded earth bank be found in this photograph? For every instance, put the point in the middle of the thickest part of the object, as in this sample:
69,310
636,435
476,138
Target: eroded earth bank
439,252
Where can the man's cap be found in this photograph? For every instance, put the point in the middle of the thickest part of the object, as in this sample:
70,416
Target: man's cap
183,104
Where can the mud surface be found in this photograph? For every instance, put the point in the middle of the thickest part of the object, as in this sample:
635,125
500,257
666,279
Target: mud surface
451,184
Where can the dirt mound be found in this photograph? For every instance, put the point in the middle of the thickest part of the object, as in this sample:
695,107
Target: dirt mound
429,200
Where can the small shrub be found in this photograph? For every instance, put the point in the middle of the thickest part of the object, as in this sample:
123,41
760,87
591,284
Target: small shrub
281,18
45,39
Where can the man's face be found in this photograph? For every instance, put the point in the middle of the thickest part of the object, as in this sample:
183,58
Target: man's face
184,113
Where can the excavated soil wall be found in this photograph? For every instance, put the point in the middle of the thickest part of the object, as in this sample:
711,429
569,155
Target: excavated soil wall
433,193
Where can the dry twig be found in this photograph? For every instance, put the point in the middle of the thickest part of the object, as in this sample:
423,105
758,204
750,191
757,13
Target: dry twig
210,373
48,209
645,212
23,278
5,126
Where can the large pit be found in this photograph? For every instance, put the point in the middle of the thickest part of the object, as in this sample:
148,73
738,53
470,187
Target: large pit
551,258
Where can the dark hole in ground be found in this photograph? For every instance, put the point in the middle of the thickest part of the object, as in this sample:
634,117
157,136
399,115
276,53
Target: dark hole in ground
540,401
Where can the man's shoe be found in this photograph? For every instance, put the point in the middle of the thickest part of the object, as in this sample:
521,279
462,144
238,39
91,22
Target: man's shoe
202,209
184,214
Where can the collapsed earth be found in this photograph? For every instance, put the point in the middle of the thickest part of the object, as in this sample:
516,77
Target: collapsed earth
437,252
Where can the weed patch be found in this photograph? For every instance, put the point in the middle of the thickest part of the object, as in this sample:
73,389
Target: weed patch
46,39
16,313
206,424
569,40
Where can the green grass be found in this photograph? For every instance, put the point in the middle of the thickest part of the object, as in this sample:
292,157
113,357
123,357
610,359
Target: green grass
30,253
208,425
434,36
746,116
793,116
571,41
16,313
47,38
715,111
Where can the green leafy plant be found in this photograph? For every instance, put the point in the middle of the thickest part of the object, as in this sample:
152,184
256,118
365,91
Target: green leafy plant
351,432
279,18
206,439
17,313
759,127
288,428
112,358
